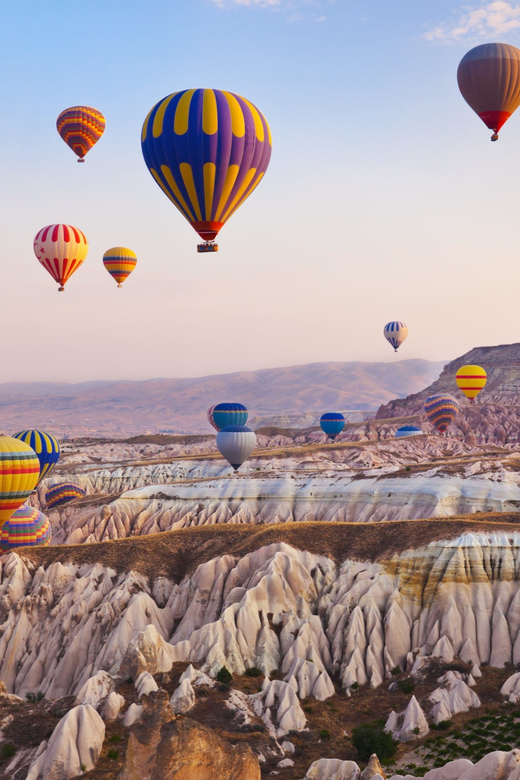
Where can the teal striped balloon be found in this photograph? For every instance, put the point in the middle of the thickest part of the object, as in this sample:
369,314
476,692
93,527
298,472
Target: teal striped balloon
45,446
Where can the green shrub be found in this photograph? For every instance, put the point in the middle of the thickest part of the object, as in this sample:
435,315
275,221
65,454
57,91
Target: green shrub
407,685
354,686
396,670
254,671
113,753
370,738
33,697
442,726
114,738
324,734
224,675
8,750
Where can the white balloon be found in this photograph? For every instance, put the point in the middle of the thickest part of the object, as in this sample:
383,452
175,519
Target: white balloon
236,443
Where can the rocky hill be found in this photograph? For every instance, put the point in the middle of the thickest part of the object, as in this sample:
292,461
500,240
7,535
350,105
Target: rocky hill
494,416
294,396
117,651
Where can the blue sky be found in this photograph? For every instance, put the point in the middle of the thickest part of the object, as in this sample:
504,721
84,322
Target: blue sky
384,198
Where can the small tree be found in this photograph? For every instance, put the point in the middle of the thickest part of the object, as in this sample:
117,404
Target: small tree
370,738
224,675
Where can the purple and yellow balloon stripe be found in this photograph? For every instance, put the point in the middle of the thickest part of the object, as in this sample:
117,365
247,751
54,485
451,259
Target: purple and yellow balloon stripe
217,154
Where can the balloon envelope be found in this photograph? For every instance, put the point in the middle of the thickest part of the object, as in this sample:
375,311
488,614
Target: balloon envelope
236,443
226,414
407,430
471,380
441,410
61,249
119,262
332,423
489,80
63,493
27,527
45,446
19,474
395,333
207,149
81,127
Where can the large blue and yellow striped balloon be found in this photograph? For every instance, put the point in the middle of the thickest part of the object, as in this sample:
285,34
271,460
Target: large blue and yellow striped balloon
27,527
63,493
332,423
207,150
441,409
45,446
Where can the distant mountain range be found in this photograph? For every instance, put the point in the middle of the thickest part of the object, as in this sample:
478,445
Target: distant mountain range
294,396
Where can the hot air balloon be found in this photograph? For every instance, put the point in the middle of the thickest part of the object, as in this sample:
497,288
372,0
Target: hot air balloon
207,150
210,417
119,262
46,448
489,80
27,527
19,474
61,250
236,443
441,410
63,493
332,423
407,430
81,127
471,380
225,414
395,333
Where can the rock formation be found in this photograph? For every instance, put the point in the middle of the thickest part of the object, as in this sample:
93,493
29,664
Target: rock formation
162,747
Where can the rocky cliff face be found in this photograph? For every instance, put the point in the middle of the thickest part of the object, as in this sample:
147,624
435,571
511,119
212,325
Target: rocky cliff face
423,476
494,416
277,608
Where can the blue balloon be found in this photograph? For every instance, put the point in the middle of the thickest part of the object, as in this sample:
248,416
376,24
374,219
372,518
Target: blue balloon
407,430
332,423
225,414
46,447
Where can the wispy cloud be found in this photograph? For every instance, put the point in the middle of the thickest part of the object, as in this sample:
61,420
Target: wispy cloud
486,20
291,6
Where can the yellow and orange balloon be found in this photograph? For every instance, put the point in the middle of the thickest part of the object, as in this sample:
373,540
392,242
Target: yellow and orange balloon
471,380
19,475
119,262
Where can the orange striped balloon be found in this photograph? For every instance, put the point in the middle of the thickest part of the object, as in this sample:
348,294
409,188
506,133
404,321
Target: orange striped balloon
119,262
471,380
19,474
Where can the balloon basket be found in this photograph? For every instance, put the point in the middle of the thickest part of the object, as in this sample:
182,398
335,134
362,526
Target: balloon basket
494,137
61,289
81,160
207,246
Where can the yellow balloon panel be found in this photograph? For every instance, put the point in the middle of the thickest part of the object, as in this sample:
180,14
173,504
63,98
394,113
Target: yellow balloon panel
19,474
471,380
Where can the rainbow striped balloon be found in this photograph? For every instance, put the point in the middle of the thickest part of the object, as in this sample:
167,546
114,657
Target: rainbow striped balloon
63,493
81,127
119,262
19,474
441,410
471,380
27,527
45,446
